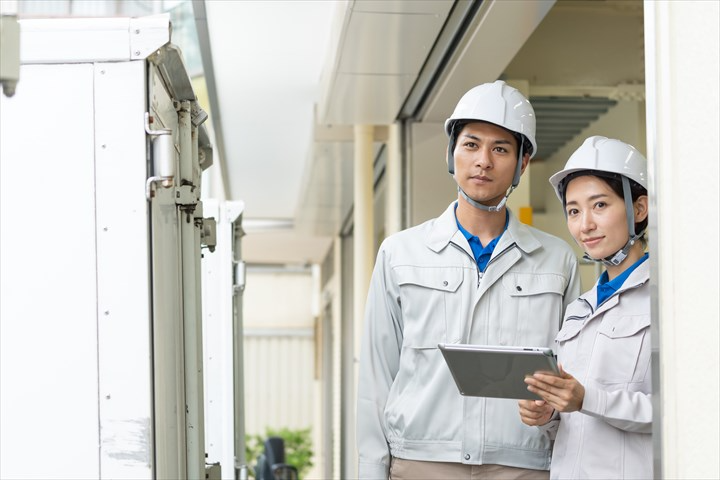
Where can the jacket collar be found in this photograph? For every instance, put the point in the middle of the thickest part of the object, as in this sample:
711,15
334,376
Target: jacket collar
445,231
638,277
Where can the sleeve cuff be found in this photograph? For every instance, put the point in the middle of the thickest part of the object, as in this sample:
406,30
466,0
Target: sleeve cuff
595,402
372,471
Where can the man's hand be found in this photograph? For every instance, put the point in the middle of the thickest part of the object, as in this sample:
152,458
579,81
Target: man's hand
535,412
563,393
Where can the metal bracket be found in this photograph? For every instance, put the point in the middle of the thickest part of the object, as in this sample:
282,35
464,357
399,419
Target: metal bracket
10,53
208,233
186,196
239,276
148,34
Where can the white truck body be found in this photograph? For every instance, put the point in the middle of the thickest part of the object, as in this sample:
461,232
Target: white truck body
102,149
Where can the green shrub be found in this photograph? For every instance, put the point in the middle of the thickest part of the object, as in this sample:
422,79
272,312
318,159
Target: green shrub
298,448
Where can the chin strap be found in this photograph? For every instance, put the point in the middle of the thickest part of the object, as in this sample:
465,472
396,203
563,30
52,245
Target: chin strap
480,206
618,257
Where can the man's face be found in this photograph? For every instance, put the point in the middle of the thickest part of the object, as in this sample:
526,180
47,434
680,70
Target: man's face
485,161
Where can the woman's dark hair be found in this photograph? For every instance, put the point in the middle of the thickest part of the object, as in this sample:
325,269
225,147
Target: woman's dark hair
613,180
636,190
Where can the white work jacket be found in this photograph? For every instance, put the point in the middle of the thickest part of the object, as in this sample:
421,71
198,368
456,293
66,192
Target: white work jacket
427,289
607,349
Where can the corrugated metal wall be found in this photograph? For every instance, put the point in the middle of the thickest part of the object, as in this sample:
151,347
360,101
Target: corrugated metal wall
278,381
280,347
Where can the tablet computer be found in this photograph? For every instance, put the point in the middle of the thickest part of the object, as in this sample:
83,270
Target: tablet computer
496,371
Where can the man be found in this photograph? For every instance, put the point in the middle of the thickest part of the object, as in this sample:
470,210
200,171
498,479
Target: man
473,275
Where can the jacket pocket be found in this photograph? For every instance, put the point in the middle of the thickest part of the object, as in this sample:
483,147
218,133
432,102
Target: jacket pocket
568,345
622,349
530,312
432,304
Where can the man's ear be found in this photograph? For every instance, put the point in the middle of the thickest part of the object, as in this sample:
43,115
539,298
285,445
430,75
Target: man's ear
525,162
640,207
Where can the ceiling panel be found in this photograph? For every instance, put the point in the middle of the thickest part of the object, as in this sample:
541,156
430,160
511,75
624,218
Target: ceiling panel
597,43
367,98
384,45
426,7
388,44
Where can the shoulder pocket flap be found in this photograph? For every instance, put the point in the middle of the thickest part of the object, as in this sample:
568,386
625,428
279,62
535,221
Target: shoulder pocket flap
441,278
569,330
627,326
524,284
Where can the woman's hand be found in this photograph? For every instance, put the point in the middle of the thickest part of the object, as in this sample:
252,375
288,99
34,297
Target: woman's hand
535,412
563,393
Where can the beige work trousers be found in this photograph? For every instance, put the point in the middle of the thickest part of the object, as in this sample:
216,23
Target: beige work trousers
401,469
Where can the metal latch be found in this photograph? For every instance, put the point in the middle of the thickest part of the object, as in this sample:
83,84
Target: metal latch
239,276
208,233
186,195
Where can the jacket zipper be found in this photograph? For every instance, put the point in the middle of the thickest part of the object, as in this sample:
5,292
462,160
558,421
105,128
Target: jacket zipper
480,274
477,267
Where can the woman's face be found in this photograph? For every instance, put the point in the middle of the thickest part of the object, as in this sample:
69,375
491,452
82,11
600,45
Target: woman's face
596,216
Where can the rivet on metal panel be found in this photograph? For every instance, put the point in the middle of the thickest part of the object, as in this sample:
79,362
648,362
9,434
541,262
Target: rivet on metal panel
137,31
137,53
107,312
105,229
104,146
102,72
107,396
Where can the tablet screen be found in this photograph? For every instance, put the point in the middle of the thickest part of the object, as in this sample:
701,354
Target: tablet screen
495,371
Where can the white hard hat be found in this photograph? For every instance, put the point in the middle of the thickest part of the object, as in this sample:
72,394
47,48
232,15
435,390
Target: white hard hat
497,103
603,154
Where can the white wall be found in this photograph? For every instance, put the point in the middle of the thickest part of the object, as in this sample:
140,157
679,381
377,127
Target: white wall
682,79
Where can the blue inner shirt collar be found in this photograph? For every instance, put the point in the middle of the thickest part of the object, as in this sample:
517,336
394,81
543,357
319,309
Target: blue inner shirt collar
606,288
482,254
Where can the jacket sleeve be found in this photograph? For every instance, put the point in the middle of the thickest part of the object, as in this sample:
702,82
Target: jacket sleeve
572,291
550,429
379,363
629,411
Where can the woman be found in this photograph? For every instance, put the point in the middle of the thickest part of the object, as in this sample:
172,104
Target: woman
599,409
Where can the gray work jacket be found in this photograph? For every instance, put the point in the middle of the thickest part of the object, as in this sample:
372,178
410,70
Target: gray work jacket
607,349
426,289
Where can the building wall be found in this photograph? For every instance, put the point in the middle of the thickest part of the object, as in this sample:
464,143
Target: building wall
683,67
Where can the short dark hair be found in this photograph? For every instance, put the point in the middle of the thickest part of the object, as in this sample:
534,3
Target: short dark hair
519,138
